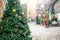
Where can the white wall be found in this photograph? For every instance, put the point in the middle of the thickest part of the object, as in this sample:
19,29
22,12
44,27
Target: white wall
58,16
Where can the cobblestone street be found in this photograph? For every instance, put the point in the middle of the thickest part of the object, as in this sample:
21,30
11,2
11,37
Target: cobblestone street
39,32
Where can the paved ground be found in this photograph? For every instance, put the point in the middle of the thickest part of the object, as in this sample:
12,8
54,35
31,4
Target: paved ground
39,32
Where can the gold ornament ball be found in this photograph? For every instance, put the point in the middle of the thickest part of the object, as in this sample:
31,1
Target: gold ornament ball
14,2
22,13
14,10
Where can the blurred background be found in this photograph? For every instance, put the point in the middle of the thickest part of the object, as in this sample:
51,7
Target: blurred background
34,8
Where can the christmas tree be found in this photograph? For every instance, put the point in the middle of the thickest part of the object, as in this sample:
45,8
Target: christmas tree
14,25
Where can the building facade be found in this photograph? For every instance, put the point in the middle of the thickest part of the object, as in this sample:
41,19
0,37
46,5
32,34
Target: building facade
42,7
1,8
31,10
24,7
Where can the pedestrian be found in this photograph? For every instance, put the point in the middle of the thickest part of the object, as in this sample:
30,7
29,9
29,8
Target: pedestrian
37,22
45,21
